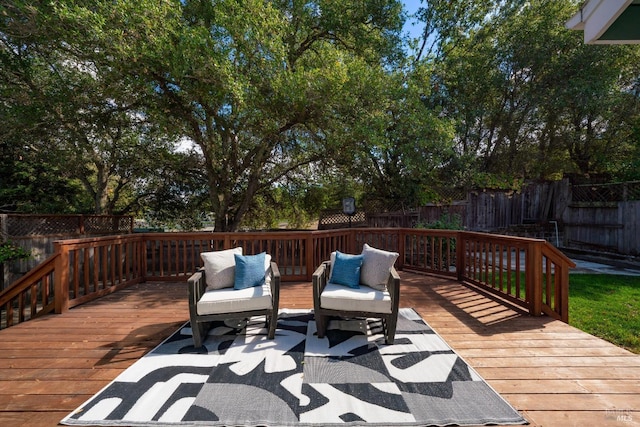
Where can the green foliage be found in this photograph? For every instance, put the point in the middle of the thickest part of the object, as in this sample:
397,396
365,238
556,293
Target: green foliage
483,180
528,98
11,252
446,222
262,88
32,183
401,146
295,104
175,194
74,118
295,205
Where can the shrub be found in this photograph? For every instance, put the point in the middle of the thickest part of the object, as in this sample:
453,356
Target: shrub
446,222
12,252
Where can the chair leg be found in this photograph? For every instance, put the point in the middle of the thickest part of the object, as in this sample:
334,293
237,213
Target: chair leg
197,336
199,332
272,321
390,330
321,324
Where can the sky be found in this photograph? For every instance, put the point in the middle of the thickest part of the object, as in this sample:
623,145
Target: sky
411,6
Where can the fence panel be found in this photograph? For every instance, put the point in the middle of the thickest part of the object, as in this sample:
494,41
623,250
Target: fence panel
594,227
37,234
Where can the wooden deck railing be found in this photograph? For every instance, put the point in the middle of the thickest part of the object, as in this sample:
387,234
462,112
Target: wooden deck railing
528,272
30,296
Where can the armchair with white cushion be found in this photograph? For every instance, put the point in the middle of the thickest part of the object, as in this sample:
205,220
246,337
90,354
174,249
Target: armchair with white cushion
364,285
233,286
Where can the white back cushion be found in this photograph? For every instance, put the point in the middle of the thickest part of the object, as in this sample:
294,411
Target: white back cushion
219,267
376,265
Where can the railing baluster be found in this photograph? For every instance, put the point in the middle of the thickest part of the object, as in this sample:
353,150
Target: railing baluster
34,301
21,307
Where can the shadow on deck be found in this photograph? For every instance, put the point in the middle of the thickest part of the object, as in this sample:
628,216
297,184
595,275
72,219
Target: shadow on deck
554,374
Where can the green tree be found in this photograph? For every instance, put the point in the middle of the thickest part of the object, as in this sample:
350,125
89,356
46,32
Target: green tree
84,120
401,147
174,194
445,23
259,86
530,100
30,183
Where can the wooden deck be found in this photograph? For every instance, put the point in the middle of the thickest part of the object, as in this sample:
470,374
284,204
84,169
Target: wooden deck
554,374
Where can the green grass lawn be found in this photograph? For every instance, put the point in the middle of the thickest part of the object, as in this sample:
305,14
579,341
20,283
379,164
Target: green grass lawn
607,306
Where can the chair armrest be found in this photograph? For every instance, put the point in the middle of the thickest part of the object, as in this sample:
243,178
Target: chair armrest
321,275
319,281
393,286
197,285
274,272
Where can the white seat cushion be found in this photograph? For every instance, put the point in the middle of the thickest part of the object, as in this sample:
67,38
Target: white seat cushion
229,300
338,297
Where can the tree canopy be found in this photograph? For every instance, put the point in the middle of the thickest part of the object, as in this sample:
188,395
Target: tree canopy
531,101
291,105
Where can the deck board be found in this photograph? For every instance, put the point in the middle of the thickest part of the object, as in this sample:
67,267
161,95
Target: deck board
554,374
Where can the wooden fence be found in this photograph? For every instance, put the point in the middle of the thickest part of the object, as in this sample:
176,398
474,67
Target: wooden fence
609,227
37,234
603,217
529,272
487,210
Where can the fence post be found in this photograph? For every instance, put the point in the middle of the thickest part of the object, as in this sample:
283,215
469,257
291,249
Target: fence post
61,278
533,274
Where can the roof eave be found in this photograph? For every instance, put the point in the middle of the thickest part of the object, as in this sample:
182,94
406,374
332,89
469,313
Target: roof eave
595,17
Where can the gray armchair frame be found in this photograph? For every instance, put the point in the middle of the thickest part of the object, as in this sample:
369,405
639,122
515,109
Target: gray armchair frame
389,320
200,324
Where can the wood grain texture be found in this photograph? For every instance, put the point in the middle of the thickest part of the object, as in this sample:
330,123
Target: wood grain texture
554,374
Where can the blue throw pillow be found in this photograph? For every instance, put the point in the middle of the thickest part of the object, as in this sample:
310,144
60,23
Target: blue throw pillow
250,271
346,270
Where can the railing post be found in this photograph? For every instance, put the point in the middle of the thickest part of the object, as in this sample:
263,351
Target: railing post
352,241
61,281
533,272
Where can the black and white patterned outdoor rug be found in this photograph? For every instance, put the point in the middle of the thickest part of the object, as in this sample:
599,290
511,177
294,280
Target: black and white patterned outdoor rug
350,377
